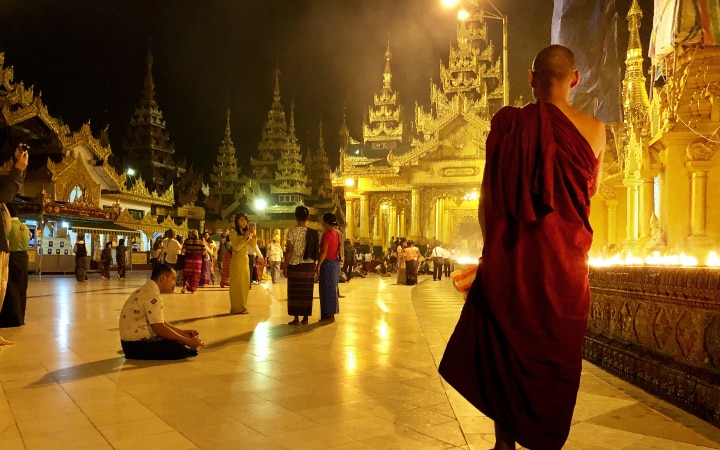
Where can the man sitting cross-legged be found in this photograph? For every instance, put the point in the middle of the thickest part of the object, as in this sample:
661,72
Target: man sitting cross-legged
144,334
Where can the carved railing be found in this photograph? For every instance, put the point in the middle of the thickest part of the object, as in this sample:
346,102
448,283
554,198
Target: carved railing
659,328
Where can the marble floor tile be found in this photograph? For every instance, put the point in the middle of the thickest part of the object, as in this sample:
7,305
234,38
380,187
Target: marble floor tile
367,381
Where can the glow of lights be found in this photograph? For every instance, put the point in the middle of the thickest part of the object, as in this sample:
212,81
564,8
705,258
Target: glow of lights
384,330
261,340
467,261
65,225
382,306
712,260
260,204
463,14
384,207
472,195
655,259
130,172
450,3
351,363
350,182
357,152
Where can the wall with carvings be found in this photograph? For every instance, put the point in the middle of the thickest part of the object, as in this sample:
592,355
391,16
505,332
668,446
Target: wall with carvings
659,328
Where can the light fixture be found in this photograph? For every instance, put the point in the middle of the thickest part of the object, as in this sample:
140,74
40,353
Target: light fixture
463,14
350,182
260,204
65,225
450,3
130,172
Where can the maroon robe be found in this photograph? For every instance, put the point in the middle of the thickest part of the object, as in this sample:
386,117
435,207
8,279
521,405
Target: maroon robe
516,352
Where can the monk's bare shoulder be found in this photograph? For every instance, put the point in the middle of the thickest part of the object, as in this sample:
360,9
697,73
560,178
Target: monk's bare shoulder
592,129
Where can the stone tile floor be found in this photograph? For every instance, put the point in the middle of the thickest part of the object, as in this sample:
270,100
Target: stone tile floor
368,380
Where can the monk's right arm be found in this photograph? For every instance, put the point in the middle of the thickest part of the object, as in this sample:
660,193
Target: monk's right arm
599,148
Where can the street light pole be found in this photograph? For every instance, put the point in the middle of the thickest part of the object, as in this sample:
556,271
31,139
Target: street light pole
506,70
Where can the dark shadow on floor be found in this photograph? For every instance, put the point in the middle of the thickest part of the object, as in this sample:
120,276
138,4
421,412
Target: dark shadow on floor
280,331
97,368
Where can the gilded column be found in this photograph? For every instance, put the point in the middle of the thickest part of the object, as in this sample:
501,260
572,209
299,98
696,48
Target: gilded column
364,218
700,156
393,227
350,218
632,243
439,217
377,237
401,227
698,196
647,201
612,222
447,226
415,214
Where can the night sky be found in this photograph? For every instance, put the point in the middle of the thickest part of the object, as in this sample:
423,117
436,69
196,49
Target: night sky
88,60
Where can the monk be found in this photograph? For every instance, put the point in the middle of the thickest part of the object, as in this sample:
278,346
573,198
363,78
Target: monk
516,352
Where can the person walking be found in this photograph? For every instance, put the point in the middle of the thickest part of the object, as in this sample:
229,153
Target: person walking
241,238
121,258
81,260
328,268
225,252
274,259
106,261
412,255
193,250
301,253
348,260
401,265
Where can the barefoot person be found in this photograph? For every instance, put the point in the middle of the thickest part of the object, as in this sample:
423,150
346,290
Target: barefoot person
516,353
144,334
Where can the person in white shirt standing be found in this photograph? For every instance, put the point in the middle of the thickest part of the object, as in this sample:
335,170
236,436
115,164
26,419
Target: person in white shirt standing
438,256
275,258
172,248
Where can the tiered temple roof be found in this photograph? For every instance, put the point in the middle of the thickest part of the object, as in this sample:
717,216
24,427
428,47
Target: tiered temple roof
274,139
317,164
147,144
226,173
290,178
384,126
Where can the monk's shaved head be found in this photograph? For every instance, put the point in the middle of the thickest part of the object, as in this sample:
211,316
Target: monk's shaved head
554,63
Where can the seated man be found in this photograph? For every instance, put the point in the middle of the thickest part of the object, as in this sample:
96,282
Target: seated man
144,334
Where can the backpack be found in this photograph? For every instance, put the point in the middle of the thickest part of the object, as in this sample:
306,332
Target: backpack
81,250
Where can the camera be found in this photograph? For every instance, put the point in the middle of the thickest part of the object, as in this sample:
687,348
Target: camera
24,147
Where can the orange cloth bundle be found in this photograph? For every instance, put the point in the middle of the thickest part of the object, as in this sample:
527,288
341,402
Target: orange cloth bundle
463,279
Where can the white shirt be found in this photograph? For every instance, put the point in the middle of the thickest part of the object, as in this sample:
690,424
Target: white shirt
143,308
274,252
172,249
439,252
253,249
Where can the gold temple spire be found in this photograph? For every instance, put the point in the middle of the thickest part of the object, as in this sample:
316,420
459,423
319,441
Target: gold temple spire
149,88
321,142
276,91
636,102
291,129
387,74
228,138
